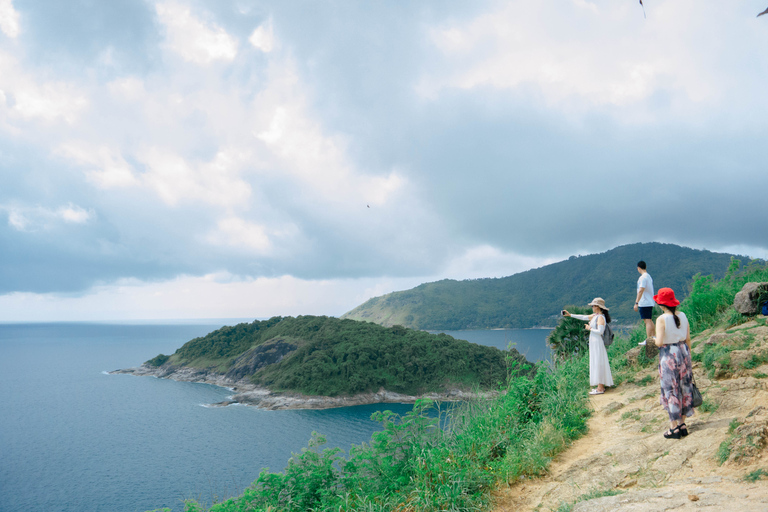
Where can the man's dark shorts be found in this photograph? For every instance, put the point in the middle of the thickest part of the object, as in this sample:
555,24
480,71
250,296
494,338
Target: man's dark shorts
646,312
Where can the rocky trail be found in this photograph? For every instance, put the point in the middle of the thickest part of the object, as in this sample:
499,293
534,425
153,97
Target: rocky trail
624,464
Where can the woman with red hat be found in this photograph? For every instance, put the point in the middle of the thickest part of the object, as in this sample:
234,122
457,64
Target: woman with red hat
673,337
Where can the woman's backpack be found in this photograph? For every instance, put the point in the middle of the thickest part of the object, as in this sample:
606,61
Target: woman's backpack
607,336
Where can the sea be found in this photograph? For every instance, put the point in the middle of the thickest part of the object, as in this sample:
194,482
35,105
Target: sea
74,438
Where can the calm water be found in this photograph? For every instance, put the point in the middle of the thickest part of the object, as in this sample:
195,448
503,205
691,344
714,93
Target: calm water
73,438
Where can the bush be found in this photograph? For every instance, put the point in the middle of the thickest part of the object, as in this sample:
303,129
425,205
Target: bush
570,338
436,457
158,360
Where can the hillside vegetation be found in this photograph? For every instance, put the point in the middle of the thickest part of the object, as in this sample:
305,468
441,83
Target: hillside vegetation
430,461
535,298
318,355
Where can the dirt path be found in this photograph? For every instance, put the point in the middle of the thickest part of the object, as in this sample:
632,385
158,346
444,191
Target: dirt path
624,452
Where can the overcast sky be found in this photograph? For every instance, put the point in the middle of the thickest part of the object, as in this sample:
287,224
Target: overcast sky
236,158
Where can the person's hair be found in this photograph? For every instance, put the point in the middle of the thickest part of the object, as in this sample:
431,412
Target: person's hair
641,264
606,315
673,310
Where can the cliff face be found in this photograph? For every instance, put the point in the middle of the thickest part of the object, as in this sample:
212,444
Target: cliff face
625,464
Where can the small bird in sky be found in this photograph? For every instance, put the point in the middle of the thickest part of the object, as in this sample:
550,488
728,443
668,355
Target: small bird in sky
368,205
764,12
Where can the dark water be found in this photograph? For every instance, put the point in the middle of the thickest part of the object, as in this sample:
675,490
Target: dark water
73,438
529,342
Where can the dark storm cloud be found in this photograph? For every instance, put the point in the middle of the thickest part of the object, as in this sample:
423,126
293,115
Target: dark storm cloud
511,165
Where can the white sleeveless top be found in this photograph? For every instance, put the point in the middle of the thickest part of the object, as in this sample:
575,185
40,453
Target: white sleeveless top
672,333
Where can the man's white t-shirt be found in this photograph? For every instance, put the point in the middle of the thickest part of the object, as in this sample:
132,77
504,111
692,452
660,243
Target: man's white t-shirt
646,282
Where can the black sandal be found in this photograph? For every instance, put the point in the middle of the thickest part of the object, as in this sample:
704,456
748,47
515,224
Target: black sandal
672,434
683,428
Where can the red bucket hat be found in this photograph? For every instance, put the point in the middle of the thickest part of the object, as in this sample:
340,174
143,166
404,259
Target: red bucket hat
666,297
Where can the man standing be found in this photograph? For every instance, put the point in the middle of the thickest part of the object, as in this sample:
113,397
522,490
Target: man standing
644,301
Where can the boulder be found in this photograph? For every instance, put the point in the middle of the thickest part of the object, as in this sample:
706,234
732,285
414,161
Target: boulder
748,300
633,354
651,350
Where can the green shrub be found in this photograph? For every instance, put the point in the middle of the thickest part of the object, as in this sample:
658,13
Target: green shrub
158,360
436,457
723,451
570,338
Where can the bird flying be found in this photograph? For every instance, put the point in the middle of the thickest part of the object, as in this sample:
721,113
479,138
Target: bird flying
764,12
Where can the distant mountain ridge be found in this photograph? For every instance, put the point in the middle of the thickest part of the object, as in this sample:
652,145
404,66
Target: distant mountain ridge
535,297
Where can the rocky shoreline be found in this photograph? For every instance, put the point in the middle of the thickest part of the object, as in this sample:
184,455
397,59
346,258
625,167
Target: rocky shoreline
246,393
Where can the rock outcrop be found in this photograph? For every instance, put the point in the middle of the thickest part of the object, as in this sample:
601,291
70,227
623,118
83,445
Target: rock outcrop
246,393
751,297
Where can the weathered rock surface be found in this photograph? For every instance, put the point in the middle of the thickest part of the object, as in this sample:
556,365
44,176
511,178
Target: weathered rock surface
246,393
747,301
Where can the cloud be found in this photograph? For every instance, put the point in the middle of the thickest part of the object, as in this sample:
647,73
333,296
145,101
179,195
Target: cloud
195,40
145,143
9,19
26,219
215,295
262,38
237,232
582,54
26,97
102,165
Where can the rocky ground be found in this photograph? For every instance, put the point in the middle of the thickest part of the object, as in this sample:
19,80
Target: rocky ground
624,463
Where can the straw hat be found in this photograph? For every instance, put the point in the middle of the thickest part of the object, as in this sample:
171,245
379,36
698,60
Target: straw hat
598,302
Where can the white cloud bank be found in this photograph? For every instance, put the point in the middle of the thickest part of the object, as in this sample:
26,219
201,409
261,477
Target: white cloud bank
9,19
193,39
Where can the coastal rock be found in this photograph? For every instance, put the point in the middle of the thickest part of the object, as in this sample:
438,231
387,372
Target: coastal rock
748,300
258,357
246,393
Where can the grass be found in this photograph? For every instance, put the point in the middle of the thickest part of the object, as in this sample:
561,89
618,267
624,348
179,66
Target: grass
724,451
716,358
756,475
709,406
634,414
755,361
645,381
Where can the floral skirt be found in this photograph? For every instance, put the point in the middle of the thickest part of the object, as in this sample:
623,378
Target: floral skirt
676,376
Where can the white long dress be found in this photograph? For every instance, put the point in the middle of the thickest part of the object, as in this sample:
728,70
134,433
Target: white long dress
599,368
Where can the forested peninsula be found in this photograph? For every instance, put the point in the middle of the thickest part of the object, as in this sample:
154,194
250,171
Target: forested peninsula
534,298
320,362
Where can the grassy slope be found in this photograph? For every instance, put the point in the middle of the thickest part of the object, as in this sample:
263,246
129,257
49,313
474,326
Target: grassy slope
535,297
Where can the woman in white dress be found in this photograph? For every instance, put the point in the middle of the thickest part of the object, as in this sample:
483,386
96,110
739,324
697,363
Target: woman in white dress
599,368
